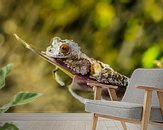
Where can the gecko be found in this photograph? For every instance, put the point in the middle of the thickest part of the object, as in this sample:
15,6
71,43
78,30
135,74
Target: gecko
67,56
70,55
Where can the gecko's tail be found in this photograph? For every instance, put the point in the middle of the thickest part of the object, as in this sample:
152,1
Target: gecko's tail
81,99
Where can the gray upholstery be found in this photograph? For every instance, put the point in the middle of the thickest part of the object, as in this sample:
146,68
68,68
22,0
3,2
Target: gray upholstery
131,105
115,108
143,77
121,109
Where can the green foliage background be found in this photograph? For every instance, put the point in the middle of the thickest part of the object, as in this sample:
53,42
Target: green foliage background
126,34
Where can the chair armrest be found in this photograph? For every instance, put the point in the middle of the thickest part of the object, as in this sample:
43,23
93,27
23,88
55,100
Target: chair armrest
149,88
101,85
97,90
148,100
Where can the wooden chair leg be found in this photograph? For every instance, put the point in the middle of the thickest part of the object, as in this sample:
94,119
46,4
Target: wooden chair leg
146,109
124,125
160,98
94,123
97,93
97,96
113,95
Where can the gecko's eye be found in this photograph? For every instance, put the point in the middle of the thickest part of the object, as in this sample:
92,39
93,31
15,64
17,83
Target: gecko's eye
65,49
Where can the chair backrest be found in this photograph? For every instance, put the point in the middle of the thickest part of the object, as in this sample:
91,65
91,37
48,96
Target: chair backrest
143,77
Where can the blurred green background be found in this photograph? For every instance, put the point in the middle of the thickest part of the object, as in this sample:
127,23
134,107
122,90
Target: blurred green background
126,34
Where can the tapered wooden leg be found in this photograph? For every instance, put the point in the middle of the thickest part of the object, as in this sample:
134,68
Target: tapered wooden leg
146,109
160,98
112,94
124,125
97,96
97,93
94,123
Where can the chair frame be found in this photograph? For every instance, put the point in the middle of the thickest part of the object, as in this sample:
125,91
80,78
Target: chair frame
146,106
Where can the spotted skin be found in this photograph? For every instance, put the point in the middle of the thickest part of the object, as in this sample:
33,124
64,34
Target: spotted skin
70,54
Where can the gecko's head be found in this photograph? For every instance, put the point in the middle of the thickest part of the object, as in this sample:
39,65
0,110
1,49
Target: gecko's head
63,49
66,54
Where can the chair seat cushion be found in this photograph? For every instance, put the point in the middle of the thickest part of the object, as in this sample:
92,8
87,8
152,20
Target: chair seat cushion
125,110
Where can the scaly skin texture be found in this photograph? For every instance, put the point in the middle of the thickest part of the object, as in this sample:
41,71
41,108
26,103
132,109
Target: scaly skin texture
68,52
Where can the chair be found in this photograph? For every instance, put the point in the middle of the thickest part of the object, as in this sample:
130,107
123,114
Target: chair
141,104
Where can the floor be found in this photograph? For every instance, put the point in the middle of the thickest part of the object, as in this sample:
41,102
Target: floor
59,121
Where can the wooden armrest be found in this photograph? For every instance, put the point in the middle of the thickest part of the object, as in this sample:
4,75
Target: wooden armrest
148,97
98,87
102,85
150,88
